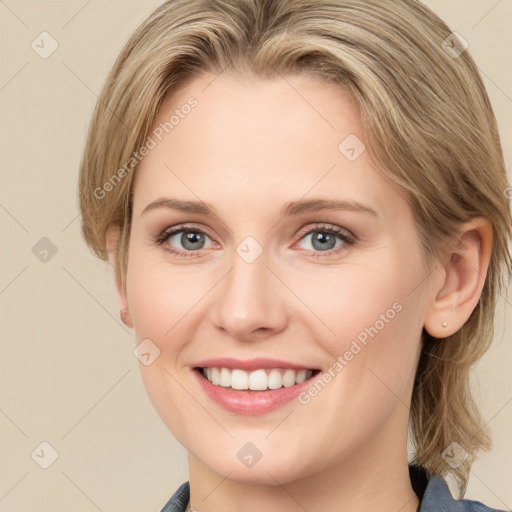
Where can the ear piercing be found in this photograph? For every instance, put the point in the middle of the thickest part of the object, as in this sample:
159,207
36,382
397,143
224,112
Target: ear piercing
444,324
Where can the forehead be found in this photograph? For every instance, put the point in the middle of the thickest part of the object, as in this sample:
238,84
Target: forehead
253,140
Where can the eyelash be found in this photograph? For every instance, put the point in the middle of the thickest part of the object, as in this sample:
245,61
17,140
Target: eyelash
343,235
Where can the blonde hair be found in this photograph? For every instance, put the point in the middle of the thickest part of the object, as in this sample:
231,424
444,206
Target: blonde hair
425,113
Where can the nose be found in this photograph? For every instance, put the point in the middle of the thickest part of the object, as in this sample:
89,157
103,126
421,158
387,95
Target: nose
250,302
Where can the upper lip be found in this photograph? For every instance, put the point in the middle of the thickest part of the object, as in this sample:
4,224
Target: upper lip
250,364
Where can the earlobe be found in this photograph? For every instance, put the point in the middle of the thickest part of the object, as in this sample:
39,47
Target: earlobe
126,318
465,270
112,239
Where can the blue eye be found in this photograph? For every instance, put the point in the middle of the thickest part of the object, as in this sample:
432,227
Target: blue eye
323,239
191,239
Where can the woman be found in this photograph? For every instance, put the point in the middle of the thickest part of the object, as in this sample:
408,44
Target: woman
305,205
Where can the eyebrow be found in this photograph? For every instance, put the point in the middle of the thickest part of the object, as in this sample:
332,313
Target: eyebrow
290,209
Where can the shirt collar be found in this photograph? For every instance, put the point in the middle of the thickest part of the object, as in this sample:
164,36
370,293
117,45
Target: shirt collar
433,492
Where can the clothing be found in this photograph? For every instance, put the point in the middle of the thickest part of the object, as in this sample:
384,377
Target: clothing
433,494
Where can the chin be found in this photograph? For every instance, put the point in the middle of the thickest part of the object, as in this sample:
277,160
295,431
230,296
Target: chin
268,470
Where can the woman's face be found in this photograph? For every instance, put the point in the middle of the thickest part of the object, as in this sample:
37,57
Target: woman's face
266,271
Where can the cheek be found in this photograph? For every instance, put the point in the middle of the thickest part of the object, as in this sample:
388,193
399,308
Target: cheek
372,320
361,302
373,352
160,300
160,296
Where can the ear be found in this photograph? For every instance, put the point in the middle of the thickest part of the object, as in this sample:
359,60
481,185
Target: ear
457,292
112,240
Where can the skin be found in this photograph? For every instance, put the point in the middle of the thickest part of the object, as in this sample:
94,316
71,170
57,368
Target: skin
247,149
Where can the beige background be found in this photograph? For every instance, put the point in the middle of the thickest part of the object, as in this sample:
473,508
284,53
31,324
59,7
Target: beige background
68,374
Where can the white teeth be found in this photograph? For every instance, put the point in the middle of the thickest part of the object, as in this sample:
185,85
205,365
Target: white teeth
275,380
301,376
239,379
225,378
256,380
289,378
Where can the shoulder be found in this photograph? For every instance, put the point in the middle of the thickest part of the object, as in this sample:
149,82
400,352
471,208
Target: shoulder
438,498
179,500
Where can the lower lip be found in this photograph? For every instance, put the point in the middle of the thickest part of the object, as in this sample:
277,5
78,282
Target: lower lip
251,403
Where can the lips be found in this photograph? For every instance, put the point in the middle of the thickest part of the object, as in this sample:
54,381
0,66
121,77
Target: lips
248,402
255,386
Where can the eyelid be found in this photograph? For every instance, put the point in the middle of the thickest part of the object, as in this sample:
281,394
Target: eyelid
346,236
321,226
171,230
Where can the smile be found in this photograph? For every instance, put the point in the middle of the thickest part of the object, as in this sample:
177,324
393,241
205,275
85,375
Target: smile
257,380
